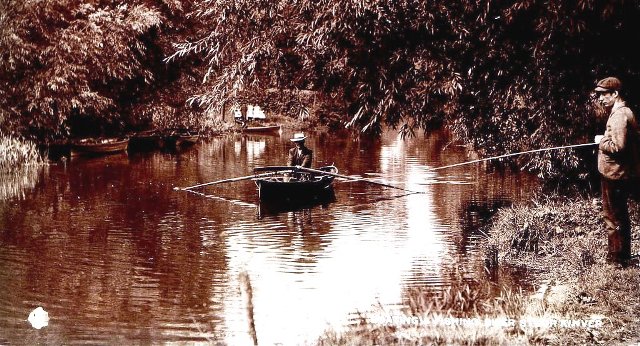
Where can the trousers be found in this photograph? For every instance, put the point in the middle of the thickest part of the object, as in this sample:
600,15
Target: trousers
615,210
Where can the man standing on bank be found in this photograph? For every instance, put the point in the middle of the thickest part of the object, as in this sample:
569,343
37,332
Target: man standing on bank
300,155
618,164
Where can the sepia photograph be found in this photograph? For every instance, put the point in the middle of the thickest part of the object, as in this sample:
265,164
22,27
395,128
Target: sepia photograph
319,172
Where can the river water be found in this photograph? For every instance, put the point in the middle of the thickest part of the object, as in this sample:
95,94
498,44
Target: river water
115,255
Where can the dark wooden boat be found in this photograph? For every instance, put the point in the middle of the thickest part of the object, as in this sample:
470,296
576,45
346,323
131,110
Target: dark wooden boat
179,138
99,146
290,186
261,129
146,140
187,139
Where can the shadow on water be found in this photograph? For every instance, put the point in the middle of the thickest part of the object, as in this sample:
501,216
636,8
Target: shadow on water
477,213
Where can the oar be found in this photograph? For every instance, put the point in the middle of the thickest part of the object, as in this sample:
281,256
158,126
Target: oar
274,168
512,154
232,180
234,201
311,170
292,169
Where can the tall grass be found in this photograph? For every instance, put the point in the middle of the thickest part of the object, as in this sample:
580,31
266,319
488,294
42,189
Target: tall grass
561,244
479,313
564,241
20,164
16,154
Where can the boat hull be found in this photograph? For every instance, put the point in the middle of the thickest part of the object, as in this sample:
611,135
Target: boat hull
102,147
297,187
276,206
180,138
261,129
146,140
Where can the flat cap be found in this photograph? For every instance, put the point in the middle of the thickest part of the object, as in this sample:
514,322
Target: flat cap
609,84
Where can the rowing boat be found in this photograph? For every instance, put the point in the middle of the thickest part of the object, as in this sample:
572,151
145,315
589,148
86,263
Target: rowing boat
294,186
261,129
99,146
181,137
146,140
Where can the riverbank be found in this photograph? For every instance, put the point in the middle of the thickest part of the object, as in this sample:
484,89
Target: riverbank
578,297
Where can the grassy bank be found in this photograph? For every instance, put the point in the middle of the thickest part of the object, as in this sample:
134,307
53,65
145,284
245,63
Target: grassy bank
578,297
563,240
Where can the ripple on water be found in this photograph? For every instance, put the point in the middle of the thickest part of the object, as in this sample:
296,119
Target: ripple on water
125,259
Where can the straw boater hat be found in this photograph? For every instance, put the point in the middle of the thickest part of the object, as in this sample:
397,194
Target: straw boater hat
298,137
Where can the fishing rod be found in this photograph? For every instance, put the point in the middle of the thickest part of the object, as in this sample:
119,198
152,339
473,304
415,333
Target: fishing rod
512,154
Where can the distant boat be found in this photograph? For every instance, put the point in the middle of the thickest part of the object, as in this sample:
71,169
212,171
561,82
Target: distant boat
253,121
294,187
146,140
261,129
99,146
181,137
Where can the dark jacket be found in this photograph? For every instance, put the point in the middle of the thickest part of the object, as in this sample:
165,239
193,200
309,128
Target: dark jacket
618,149
302,158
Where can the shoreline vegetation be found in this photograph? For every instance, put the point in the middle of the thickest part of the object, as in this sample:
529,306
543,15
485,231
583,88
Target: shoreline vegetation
20,165
577,297
17,154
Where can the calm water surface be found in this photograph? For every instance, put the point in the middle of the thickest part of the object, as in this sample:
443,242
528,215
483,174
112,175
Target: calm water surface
115,255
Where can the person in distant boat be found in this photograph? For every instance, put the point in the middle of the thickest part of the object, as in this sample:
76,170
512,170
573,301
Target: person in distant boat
618,166
300,155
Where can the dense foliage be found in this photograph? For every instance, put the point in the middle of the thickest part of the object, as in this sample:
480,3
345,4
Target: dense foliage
505,76
74,67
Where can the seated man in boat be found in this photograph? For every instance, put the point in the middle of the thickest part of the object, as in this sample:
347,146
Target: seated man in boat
300,155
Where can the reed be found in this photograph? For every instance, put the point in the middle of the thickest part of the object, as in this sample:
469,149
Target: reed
20,167
247,290
16,154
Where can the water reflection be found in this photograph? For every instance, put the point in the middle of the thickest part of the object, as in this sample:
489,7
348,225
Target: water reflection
122,257
304,204
16,184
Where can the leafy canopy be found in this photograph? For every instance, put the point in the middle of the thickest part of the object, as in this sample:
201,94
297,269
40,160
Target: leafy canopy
505,76
83,61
